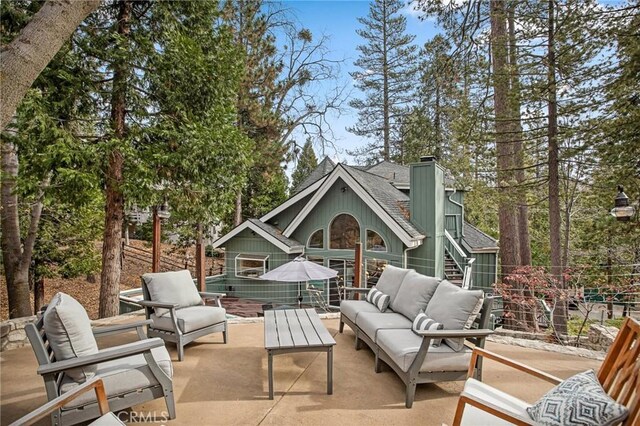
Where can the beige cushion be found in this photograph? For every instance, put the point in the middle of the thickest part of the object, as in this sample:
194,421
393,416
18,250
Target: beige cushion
455,308
402,346
390,281
191,318
122,375
108,419
352,308
371,322
494,398
172,287
68,330
414,294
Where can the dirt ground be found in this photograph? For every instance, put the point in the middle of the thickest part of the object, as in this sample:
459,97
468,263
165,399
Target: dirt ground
87,289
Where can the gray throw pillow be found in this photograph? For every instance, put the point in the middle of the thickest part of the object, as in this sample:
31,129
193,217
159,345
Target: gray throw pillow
390,280
455,308
68,330
172,287
579,400
424,323
414,294
378,299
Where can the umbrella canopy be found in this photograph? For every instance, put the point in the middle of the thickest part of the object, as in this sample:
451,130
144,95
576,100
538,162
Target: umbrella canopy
300,269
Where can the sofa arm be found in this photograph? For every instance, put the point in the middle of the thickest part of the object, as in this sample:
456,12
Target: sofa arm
120,328
163,305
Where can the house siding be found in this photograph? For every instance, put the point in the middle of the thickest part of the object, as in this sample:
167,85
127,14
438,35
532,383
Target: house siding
484,270
454,214
283,219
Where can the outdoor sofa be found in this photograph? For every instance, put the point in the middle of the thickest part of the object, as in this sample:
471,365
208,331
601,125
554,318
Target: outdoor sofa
423,327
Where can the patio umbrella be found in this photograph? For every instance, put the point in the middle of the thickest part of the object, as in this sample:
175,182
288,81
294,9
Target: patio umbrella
298,270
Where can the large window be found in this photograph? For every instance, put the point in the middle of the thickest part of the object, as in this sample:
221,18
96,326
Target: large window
344,232
251,265
375,242
316,240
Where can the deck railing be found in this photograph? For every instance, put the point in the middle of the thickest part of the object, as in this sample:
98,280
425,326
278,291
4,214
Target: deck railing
463,262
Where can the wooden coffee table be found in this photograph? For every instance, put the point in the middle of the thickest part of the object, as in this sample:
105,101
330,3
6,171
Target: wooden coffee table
296,330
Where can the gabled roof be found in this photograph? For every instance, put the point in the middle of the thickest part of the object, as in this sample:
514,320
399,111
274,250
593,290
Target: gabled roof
477,241
376,192
266,231
397,174
325,167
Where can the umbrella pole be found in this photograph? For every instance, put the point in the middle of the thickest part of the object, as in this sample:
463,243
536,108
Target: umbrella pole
299,295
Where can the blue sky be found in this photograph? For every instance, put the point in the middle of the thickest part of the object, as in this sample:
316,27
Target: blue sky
338,19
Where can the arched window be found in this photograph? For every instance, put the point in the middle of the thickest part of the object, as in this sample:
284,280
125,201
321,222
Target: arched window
316,240
344,232
375,242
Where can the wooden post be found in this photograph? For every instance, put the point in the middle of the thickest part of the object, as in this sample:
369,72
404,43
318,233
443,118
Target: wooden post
155,243
357,267
200,273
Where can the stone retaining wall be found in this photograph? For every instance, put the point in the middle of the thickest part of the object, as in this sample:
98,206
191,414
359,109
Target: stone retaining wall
12,334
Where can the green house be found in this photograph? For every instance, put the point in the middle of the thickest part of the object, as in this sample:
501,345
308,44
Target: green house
407,216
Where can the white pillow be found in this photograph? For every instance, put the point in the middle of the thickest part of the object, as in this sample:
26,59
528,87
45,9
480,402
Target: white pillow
68,330
172,287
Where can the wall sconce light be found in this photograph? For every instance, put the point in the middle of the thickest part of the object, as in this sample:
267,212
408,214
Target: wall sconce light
343,189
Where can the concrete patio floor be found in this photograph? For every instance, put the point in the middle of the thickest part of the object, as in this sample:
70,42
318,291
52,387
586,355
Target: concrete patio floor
221,384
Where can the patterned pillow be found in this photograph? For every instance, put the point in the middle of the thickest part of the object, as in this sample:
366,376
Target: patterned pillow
579,400
379,299
424,323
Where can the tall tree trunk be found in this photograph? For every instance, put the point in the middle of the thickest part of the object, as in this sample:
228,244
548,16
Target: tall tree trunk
517,134
237,220
560,311
22,60
114,208
507,212
385,87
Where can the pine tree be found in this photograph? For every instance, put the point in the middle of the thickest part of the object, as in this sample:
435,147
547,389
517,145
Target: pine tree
387,77
307,162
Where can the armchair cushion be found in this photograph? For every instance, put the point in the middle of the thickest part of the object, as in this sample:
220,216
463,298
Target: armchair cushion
414,294
455,308
402,346
172,287
191,319
68,330
494,398
578,400
390,281
122,376
379,299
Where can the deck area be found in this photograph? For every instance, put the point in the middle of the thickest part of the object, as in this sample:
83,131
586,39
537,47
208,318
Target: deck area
221,384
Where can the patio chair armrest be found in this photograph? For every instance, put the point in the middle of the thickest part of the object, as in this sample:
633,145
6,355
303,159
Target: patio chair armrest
355,289
116,352
493,409
164,305
96,384
451,334
483,353
119,328
206,294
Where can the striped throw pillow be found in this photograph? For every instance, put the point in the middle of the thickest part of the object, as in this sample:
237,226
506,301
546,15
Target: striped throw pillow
379,299
424,323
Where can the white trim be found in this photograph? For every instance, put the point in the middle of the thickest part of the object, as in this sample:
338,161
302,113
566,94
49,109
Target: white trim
454,244
337,173
264,234
384,241
311,235
329,230
291,201
244,256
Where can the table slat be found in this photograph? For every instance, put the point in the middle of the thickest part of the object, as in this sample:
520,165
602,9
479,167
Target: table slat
270,331
308,328
297,334
284,335
322,331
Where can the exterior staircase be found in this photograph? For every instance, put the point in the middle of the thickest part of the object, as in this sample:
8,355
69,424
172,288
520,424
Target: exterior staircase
451,270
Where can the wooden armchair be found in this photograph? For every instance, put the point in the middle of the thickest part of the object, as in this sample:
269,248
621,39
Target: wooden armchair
96,384
619,376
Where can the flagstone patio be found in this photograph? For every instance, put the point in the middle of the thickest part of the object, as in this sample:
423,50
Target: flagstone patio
221,384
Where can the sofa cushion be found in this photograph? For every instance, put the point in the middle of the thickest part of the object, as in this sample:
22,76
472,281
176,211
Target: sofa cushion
492,397
424,323
378,299
122,375
371,322
352,308
172,287
68,330
414,294
390,281
578,400
454,307
402,346
191,318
